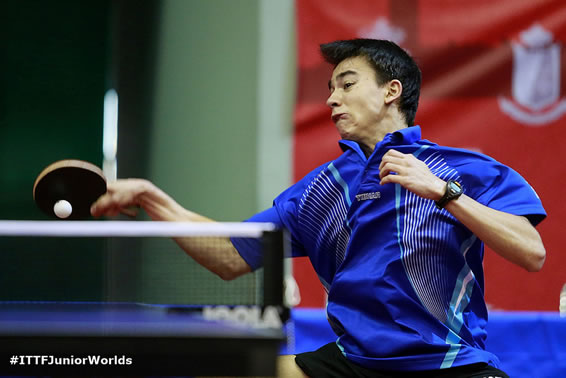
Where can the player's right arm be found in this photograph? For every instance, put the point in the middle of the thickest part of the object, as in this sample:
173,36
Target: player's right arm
122,195
512,236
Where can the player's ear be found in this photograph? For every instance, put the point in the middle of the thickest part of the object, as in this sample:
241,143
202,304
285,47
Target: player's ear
394,90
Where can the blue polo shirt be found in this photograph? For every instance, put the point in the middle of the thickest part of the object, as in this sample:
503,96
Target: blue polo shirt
404,279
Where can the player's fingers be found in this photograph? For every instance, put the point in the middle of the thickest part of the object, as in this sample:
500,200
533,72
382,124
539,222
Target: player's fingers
121,197
395,179
389,168
106,204
99,206
132,213
112,211
395,153
391,159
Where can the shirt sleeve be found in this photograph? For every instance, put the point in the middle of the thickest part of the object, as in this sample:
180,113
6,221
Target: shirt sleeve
251,249
284,214
502,188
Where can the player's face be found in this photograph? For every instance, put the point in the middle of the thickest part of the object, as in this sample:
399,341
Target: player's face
356,100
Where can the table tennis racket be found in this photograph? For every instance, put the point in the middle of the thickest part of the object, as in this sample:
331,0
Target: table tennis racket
78,182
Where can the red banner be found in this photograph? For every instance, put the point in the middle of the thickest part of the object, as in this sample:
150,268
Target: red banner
493,81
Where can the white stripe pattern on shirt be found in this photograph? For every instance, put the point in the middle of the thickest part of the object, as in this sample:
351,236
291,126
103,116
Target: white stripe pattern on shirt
322,214
423,252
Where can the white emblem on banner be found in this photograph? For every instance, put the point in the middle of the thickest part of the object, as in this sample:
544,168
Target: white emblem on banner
536,79
382,29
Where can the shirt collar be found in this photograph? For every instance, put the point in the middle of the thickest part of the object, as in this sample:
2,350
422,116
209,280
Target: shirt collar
408,135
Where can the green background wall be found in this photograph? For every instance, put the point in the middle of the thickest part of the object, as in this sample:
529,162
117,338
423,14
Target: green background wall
53,60
206,100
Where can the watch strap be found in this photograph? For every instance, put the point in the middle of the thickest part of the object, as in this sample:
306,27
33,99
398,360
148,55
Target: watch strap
453,190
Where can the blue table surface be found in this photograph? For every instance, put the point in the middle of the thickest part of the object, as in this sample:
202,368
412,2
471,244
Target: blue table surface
114,319
158,340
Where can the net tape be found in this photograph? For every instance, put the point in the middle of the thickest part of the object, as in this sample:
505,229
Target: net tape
133,229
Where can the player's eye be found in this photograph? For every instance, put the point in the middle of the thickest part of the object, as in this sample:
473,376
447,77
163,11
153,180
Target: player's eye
348,85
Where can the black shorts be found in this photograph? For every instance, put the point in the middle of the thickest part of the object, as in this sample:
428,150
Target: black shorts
328,361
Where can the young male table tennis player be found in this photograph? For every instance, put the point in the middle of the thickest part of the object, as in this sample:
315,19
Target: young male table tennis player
394,228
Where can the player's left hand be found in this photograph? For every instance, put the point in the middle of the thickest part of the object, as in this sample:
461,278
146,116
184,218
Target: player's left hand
412,174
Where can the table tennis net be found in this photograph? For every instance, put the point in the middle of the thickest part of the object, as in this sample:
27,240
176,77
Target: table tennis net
134,261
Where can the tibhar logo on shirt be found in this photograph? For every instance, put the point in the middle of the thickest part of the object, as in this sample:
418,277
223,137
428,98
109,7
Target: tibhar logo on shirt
368,196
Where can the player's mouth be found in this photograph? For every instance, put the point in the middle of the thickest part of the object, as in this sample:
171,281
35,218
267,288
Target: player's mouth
338,116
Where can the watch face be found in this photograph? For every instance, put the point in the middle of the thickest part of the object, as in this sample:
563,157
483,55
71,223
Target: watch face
455,187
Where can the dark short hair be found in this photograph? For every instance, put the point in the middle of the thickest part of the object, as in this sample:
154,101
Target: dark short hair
389,61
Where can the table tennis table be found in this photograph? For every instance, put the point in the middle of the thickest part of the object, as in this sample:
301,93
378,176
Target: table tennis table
157,340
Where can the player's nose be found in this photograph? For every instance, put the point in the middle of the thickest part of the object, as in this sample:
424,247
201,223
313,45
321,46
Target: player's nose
333,100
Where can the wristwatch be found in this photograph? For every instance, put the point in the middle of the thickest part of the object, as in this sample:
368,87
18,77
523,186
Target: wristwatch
453,190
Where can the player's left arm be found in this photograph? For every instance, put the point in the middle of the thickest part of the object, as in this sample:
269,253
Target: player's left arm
511,236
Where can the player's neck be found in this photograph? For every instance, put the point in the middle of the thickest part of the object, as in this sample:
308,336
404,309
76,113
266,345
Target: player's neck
385,127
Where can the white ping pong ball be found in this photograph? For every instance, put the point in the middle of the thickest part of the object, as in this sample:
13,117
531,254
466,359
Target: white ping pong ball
62,209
